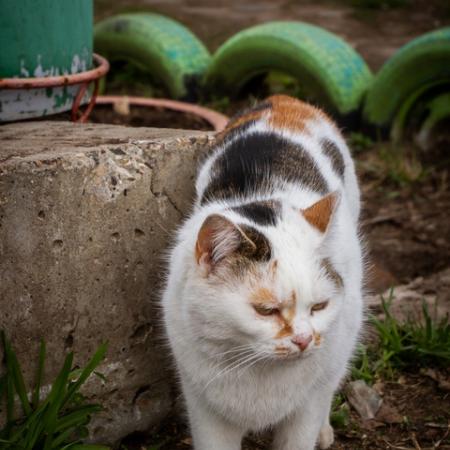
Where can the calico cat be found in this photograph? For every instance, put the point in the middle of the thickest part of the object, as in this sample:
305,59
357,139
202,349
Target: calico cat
263,303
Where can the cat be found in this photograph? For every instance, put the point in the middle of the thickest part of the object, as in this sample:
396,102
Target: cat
263,303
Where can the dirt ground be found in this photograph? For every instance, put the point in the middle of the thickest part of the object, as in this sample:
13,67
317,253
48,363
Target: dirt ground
154,117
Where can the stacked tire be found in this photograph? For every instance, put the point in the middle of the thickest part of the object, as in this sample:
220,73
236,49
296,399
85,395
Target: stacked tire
330,70
172,55
410,92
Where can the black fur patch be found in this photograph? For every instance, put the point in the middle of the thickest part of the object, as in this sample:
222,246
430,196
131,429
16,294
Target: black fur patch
250,164
262,213
331,150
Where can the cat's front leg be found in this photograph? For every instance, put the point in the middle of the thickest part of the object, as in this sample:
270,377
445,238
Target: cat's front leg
306,427
210,430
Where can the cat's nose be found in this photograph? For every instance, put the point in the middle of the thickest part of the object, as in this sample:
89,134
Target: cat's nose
301,341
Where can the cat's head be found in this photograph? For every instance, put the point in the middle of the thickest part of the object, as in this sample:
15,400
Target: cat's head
267,290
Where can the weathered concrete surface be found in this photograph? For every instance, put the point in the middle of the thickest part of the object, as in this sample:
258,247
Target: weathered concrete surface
85,214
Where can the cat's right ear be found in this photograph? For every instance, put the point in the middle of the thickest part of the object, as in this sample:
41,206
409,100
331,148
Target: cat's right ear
218,238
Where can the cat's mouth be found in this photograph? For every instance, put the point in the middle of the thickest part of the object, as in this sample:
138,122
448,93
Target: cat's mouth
282,352
286,353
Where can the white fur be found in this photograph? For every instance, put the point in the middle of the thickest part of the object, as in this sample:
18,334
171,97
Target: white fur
231,378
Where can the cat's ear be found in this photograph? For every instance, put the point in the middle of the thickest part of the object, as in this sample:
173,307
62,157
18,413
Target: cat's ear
320,214
219,238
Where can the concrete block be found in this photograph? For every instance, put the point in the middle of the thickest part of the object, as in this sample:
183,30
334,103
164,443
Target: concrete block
86,212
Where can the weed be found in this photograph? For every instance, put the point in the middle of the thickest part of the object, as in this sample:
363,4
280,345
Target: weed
57,422
402,345
359,142
276,82
218,103
402,167
340,414
362,367
128,79
397,165
413,343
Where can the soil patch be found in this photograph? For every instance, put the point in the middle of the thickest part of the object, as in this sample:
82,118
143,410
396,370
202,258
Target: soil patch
407,227
139,116
405,421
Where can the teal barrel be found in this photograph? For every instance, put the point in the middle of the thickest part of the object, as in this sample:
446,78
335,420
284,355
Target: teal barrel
41,38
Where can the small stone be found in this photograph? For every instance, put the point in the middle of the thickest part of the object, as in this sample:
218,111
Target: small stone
363,398
379,387
389,414
442,380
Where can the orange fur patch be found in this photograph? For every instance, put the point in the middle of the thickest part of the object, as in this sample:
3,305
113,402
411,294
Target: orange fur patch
282,350
286,317
319,214
286,330
264,296
273,268
251,116
204,239
317,338
292,114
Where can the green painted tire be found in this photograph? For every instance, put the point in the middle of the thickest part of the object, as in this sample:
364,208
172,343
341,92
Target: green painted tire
161,46
329,69
416,69
438,110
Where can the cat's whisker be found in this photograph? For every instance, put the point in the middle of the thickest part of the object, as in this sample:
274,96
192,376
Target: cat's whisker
233,359
245,360
234,365
236,355
262,357
239,348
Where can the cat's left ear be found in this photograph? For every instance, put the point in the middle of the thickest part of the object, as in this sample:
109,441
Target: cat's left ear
321,213
219,239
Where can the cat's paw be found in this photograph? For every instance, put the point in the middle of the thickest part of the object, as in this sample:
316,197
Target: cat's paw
326,437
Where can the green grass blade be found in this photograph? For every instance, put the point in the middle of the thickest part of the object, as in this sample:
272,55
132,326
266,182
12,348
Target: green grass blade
88,447
22,429
77,417
14,369
9,398
34,432
61,439
3,384
56,400
9,390
39,375
90,367
45,425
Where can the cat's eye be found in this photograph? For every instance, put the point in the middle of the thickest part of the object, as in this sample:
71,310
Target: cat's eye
319,306
265,310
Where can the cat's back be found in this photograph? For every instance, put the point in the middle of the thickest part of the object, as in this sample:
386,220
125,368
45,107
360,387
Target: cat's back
279,143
